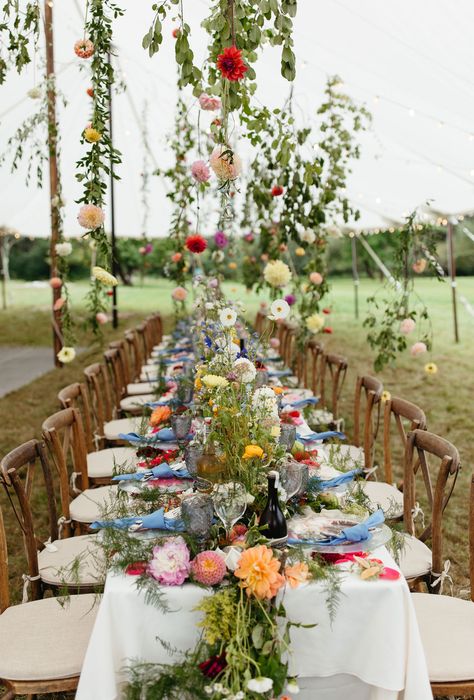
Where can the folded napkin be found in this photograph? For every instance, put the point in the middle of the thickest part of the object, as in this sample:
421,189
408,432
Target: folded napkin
155,404
311,401
337,480
357,533
175,361
172,351
153,521
163,435
309,437
161,471
280,372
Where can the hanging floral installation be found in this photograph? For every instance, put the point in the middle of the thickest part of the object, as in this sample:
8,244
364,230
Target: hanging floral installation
19,30
398,317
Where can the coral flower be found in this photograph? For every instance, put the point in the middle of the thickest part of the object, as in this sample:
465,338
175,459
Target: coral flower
58,304
55,283
419,266
208,102
258,570
277,191
232,266
160,415
176,257
231,65
200,171
407,326
101,318
196,243
225,163
252,451
418,349
90,91
315,278
91,217
175,33
84,48
328,330
179,294
208,568
297,574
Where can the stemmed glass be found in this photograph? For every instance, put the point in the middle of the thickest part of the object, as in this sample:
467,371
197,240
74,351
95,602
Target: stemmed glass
230,502
292,476
181,425
287,435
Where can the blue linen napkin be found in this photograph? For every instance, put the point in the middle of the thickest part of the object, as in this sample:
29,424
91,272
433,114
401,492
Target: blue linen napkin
161,471
357,533
171,351
153,521
323,484
301,403
279,372
154,404
320,436
163,435
175,361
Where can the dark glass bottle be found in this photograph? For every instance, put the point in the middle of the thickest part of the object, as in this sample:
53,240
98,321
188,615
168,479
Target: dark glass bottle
243,349
272,515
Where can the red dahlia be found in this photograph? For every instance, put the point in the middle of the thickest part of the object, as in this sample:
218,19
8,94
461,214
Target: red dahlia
328,329
90,92
175,33
326,311
196,243
231,65
277,191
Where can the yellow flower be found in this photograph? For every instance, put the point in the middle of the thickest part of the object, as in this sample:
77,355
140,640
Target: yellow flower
278,390
198,383
105,277
277,273
386,396
213,381
92,135
232,266
300,252
252,451
275,431
314,323
66,355
431,368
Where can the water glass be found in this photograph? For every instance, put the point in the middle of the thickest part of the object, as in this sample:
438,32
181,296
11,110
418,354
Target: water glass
261,379
230,502
192,453
181,425
287,435
197,512
292,474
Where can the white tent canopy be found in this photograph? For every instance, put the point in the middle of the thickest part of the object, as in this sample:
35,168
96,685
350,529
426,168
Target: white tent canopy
410,63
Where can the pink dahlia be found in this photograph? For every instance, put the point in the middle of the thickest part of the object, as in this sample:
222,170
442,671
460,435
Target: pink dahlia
200,171
208,568
176,257
90,217
418,349
315,278
225,163
179,294
170,564
209,103
407,326
220,239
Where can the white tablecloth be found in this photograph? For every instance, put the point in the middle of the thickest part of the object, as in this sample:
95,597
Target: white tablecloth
371,652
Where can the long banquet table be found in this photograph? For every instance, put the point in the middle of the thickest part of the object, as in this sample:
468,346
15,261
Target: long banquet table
371,651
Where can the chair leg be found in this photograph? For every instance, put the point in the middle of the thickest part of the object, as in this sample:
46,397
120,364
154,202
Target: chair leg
9,695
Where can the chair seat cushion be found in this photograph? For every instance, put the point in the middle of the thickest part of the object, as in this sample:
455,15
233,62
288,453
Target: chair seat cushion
140,388
91,504
58,567
130,403
113,428
101,464
447,633
385,496
415,558
149,373
43,640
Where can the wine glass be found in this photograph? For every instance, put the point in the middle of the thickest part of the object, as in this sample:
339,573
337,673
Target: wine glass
181,425
291,477
287,435
230,502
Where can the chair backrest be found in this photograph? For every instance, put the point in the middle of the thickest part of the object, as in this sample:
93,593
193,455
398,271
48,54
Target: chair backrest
333,374
101,405
76,396
405,417
64,435
421,448
135,355
114,370
313,366
369,389
125,360
4,584
144,340
18,469
259,322
156,328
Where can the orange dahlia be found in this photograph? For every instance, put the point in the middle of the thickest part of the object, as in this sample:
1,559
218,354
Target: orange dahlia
297,574
159,415
258,570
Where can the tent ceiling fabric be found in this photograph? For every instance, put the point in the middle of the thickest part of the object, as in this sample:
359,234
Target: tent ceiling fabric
410,63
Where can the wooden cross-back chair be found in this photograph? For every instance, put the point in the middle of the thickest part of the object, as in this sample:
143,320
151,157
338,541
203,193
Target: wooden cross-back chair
76,396
446,627
155,322
80,505
125,396
115,375
43,643
313,366
100,399
366,422
421,446
333,370
135,354
405,417
49,563
259,324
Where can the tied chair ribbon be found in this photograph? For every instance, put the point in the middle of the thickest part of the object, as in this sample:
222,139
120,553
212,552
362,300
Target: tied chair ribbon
442,577
61,523
26,584
418,511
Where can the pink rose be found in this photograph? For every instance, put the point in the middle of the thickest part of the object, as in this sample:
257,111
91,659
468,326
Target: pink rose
418,349
315,278
209,103
407,326
179,294
170,564
200,171
101,318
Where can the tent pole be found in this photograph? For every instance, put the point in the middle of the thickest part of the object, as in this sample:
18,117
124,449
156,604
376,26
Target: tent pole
452,273
355,276
53,170
112,213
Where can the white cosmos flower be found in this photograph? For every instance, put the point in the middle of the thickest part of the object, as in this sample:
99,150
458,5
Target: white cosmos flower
260,684
66,355
307,236
279,309
245,370
293,687
227,317
63,249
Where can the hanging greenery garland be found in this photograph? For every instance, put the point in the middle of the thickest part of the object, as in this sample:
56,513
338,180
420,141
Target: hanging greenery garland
19,29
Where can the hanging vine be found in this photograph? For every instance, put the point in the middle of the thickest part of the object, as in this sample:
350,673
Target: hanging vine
19,29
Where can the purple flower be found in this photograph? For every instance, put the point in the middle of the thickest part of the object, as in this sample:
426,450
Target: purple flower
220,239
290,299
213,283
148,248
170,564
